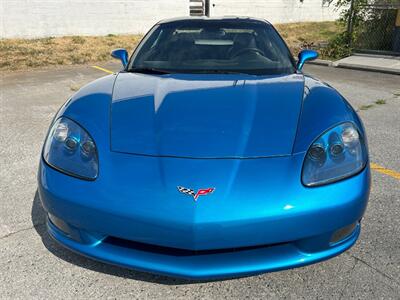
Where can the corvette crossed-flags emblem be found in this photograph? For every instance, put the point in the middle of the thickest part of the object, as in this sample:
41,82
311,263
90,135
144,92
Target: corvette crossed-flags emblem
195,195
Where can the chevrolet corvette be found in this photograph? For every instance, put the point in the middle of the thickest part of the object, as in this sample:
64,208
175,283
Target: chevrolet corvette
209,155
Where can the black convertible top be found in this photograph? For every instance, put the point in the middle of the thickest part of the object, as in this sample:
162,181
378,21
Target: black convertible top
214,19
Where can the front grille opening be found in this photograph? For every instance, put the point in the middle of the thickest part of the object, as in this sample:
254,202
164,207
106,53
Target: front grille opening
177,251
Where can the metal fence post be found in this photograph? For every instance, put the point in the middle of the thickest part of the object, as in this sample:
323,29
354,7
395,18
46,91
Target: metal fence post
350,24
396,37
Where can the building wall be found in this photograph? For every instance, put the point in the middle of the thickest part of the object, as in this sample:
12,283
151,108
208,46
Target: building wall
278,11
42,18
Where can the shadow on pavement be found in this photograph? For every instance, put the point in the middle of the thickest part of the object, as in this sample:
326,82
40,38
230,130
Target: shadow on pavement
38,216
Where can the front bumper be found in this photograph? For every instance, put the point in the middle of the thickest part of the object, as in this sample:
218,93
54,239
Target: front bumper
203,264
251,224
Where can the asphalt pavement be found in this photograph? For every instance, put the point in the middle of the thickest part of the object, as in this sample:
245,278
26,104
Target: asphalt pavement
33,266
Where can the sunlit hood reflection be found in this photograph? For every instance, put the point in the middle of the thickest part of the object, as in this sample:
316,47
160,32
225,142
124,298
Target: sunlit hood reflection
207,116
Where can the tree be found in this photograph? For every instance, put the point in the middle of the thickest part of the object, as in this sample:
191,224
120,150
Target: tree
370,24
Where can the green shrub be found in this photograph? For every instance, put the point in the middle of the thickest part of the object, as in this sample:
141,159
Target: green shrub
338,47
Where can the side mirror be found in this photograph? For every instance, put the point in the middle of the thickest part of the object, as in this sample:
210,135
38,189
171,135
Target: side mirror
304,56
120,54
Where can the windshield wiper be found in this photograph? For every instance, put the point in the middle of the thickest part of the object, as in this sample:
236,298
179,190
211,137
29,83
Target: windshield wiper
149,71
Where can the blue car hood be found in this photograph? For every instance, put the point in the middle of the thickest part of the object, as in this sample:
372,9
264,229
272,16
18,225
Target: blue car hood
205,116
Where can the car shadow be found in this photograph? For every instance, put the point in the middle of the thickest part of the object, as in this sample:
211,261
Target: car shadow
38,216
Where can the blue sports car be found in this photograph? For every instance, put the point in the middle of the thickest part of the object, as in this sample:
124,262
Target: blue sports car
209,155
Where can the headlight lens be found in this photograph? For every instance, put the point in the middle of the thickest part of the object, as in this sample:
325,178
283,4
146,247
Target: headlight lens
337,154
70,149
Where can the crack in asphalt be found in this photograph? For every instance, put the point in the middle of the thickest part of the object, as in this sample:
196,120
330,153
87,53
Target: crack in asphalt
348,282
21,230
374,268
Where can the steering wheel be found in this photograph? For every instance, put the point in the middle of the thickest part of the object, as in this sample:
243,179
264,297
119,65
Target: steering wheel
245,50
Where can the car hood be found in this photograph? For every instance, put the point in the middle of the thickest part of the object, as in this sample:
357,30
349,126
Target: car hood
205,116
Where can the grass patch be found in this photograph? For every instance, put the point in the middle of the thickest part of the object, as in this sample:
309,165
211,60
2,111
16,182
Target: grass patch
380,101
16,54
52,51
78,40
314,35
366,107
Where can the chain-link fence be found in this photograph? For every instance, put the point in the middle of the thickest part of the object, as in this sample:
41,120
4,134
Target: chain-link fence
377,29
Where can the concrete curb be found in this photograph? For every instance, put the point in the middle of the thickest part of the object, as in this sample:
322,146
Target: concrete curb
367,68
335,64
321,62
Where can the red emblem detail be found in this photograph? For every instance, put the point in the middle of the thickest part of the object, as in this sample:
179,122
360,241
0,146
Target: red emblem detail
203,192
195,195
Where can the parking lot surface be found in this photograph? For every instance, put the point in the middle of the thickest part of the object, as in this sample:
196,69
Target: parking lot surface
32,265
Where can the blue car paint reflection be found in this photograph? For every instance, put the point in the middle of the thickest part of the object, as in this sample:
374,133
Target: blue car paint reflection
245,136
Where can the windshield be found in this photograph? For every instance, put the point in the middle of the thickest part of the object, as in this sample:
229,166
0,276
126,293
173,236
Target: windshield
213,46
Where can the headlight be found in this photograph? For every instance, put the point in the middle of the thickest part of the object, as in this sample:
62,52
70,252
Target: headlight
338,153
70,149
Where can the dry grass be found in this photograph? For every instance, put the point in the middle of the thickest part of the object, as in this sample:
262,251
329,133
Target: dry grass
308,34
36,53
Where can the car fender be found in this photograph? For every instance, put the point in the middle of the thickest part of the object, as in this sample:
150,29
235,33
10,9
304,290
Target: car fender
323,108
